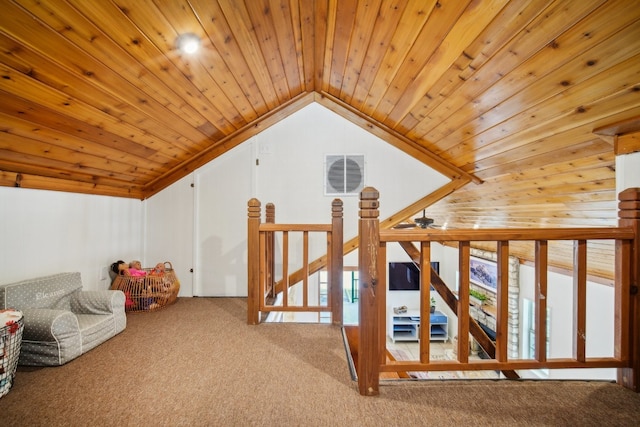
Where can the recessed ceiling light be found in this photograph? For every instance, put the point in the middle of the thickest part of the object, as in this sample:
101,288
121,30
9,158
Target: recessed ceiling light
188,43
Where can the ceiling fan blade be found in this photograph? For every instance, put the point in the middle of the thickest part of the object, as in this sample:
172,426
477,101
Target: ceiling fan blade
405,225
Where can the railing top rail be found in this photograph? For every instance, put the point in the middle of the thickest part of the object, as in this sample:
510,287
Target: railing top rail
294,227
418,235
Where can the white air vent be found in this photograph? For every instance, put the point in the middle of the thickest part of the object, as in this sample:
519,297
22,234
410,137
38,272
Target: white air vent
344,174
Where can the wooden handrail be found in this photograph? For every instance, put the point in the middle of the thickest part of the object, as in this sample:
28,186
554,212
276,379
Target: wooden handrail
261,257
372,267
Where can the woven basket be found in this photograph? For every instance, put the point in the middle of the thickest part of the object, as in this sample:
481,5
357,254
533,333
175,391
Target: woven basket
151,292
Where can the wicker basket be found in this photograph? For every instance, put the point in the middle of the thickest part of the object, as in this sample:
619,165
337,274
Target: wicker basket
151,292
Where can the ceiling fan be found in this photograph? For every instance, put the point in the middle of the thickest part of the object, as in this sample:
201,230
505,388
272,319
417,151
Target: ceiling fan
422,222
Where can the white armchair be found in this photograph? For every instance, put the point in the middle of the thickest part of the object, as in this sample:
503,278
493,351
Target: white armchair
61,321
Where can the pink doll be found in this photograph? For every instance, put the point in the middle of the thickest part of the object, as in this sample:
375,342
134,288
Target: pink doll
135,269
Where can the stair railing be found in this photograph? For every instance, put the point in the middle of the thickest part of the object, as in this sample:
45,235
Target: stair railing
372,305
264,286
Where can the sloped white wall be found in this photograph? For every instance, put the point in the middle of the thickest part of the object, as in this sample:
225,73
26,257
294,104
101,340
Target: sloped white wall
48,232
284,165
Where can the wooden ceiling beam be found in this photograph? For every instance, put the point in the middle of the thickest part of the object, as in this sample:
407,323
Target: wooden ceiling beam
38,182
624,135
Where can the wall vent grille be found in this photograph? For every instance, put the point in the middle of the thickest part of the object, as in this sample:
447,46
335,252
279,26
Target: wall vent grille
344,174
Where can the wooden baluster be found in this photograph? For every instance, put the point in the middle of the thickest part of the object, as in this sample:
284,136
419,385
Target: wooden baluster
336,264
425,301
253,262
502,320
464,253
579,299
285,268
369,336
627,298
541,278
305,268
270,218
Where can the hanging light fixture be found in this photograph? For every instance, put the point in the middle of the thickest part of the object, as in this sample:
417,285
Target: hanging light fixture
188,43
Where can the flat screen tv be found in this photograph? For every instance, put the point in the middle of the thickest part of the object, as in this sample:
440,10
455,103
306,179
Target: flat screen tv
405,276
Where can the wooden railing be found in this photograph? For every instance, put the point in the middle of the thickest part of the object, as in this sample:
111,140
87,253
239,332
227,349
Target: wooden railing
372,274
264,286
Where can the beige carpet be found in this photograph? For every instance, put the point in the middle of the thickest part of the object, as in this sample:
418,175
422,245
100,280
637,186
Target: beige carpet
197,363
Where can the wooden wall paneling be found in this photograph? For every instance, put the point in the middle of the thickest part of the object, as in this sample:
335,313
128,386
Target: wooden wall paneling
83,87
205,69
41,116
412,40
35,154
572,59
263,30
359,45
525,44
533,85
147,56
99,47
307,41
466,29
226,45
322,42
237,17
38,93
288,26
345,14
603,95
544,156
511,19
329,46
384,29
123,161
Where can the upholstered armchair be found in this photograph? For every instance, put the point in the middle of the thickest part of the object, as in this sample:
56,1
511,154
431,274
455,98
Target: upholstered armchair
62,321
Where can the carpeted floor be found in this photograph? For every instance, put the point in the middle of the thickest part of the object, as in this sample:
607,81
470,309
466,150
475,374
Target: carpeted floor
197,363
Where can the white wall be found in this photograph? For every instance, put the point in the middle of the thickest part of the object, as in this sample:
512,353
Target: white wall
169,230
627,171
48,232
284,165
600,321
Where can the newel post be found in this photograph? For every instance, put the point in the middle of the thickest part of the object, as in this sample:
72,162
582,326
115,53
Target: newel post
253,262
337,262
629,216
270,263
369,336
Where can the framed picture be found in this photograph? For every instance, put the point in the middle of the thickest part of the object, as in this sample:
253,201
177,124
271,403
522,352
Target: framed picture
484,273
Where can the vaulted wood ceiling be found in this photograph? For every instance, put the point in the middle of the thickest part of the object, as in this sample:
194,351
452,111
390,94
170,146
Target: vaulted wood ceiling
503,94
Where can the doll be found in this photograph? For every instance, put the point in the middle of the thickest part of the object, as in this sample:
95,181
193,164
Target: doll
135,269
158,270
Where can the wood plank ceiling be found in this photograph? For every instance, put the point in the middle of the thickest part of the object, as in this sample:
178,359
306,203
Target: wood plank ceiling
505,94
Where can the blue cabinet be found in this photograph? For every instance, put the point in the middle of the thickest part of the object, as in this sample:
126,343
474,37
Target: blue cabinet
406,326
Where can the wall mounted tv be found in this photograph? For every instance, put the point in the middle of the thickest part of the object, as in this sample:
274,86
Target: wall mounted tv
405,276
